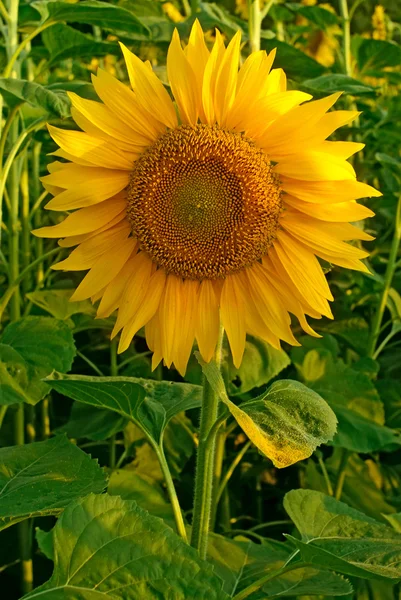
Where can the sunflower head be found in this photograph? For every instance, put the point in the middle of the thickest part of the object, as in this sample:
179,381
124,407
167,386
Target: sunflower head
211,205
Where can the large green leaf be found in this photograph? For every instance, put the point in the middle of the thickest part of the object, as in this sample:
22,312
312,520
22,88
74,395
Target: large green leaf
374,55
17,91
286,423
148,403
336,82
92,12
93,423
242,563
261,362
110,549
43,344
40,479
335,536
63,42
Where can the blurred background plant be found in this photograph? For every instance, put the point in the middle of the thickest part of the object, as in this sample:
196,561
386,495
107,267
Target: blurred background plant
49,48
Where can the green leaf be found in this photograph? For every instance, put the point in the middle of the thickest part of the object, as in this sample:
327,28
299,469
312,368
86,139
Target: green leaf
296,64
40,479
242,563
390,393
336,82
338,537
374,55
57,303
45,542
149,404
93,423
109,548
260,364
92,12
63,42
213,14
146,491
318,15
286,423
14,378
17,91
355,332
44,344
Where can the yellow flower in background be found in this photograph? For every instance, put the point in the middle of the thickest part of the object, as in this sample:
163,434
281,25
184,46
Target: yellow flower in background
172,12
321,45
242,8
215,211
379,23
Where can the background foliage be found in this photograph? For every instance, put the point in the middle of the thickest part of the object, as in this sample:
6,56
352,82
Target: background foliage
87,432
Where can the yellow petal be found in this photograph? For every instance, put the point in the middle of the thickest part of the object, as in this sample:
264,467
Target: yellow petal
85,256
146,310
69,175
185,333
315,166
339,149
182,81
233,317
105,269
104,120
296,125
339,212
85,220
112,295
93,150
276,82
123,102
73,240
100,188
270,309
153,339
207,320
197,55
149,90
170,310
135,290
326,192
226,80
209,78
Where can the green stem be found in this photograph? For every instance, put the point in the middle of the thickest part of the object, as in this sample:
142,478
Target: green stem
45,417
3,411
341,474
254,24
388,278
205,462
231,469
254,587
25,224
3,12
36,216
325,474
7,125
266,9
217,473
113,373
179,521
346,36
9,68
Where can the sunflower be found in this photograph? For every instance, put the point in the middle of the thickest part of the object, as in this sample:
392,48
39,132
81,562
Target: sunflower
214,207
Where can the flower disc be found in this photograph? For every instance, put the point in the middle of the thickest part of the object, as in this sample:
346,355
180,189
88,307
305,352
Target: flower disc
204,202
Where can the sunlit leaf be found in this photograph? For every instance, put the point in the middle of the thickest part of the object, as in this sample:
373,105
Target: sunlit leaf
286,423
17,91
57,303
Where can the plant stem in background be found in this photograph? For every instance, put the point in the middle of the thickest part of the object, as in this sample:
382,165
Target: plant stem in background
113,373
231,469
36,216
25,226
254,24
388,278
325,474
179,521
205,462
341,473
346,36
217,472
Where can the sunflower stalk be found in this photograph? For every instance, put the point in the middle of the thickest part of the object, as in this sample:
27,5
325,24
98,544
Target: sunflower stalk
209,427
254,24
